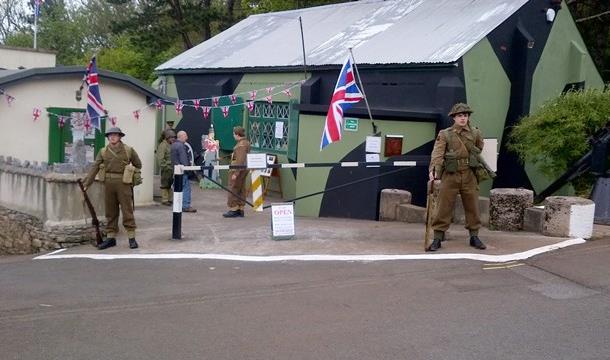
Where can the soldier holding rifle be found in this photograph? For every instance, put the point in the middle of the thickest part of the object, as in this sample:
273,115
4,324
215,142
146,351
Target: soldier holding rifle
454,159
114,159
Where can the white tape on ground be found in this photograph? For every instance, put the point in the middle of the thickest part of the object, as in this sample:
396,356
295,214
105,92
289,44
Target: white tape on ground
252,258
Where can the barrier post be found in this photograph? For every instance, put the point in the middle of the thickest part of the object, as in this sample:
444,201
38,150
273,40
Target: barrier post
257,190
177,211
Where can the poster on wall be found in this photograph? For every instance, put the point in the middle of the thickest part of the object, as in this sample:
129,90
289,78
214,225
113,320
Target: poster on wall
393,145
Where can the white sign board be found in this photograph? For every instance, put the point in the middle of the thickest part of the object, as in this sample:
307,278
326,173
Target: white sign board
257,161
373,144
282,221
372,158
490,153
279,129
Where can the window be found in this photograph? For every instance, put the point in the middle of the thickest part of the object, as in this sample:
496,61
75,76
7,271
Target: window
66,126
266,124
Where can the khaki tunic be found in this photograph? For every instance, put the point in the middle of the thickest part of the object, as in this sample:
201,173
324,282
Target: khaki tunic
238,186
165,164
463,182
116,193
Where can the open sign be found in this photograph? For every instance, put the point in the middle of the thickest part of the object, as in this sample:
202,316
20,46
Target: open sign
282,221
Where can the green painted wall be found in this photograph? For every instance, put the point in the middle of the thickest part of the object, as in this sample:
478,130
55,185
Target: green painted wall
564,60
488,93
312,180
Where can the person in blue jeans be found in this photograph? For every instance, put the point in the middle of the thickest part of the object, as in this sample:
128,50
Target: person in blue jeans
180,157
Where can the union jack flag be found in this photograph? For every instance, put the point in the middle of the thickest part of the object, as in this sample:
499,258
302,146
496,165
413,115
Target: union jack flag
95,109
345,95
37,4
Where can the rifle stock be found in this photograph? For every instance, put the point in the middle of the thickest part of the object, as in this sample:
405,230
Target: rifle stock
94,221
429,199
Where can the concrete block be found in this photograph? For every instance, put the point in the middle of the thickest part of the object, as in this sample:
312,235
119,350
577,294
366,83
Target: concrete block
507,207
411,213
389,201
459,216
568,216
533,219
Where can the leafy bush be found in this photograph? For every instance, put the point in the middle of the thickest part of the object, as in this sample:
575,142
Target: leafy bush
555,136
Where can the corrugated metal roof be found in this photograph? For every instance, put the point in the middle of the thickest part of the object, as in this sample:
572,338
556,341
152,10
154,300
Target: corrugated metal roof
379,31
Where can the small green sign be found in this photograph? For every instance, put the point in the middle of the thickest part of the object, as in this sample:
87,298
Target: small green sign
351,124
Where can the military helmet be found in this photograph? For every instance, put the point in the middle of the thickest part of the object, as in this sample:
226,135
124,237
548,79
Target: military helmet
169,134
114,130
460,108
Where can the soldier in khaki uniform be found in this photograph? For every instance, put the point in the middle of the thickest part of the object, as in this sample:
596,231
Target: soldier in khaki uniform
165,165
453,163
114,158
237,177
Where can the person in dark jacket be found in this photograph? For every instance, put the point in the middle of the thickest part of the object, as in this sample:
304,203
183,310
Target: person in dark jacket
180,157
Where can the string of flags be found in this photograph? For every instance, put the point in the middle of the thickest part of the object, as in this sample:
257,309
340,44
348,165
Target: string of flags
179,104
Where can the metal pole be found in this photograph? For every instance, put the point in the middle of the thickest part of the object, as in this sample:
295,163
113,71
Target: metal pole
177,210
366,101
303,45
36,26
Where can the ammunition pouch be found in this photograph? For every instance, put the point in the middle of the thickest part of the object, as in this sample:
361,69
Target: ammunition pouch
450,164
473,158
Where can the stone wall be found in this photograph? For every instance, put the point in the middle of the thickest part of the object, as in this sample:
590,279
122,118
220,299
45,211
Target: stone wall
42,207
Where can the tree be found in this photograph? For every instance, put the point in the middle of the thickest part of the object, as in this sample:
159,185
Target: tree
593,20
12,18
555,136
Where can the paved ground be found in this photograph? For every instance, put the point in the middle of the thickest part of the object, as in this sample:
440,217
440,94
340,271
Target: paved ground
207,232
552,306
555,306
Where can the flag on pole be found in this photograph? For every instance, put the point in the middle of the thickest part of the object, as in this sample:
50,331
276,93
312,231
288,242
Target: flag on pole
345,95
37,4
95,109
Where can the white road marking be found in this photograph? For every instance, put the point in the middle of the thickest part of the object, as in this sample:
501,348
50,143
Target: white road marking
261,258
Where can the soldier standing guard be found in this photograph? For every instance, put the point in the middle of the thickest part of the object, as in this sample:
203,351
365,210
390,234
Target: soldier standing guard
113,159
237,177
165,166
453,161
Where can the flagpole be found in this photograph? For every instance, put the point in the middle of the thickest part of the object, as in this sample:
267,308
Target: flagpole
36,10
303,45
366,101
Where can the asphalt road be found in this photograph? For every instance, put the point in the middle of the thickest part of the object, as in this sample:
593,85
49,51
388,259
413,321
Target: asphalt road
554,306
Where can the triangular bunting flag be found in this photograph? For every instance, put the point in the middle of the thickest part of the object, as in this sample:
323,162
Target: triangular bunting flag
253,95
250,105
215,101
36,114
269,99
206,112
196,104
225,111
136,114
179,105
233,99
159,104
288,93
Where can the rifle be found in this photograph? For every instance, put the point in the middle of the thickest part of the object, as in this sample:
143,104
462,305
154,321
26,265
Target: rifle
429,200
94,221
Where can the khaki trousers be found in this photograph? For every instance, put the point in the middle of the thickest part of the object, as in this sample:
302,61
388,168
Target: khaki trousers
118,194
462,182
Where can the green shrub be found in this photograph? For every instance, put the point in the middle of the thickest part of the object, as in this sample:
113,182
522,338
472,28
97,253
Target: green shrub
555,136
